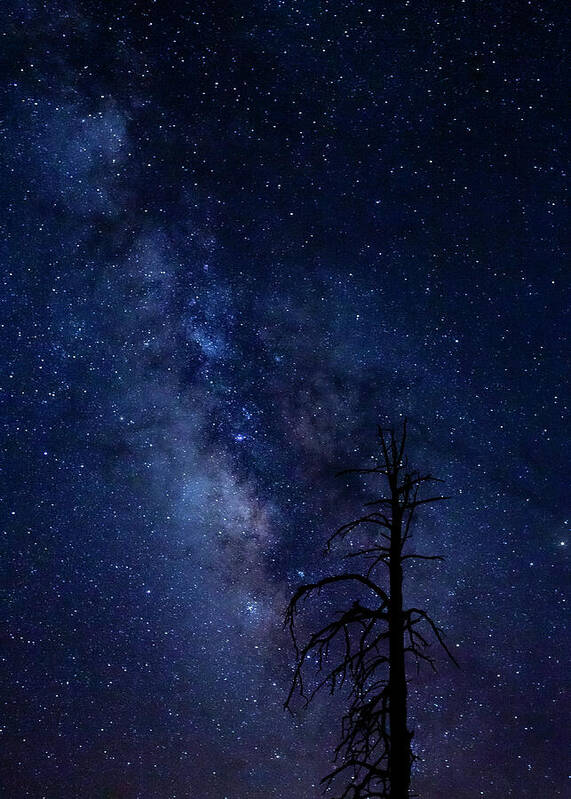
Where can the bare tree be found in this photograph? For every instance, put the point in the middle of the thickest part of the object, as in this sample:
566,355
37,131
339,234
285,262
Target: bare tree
369,642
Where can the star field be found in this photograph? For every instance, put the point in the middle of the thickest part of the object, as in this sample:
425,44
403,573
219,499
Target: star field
237,236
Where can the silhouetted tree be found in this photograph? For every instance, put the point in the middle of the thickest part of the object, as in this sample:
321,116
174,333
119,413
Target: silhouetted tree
367,643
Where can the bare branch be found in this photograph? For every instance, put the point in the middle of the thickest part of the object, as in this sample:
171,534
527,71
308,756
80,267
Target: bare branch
418,480
372,518
337,578
436,630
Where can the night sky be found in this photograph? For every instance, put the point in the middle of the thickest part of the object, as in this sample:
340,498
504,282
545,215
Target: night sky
236,236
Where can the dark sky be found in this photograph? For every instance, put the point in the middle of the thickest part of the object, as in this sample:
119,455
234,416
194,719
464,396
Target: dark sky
237,236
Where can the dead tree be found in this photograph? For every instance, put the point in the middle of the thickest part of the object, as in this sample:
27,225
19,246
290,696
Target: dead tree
369,643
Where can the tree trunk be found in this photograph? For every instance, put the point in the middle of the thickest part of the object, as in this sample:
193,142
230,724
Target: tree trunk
399,756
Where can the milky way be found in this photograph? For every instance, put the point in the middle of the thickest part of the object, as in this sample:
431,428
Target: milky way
236,237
